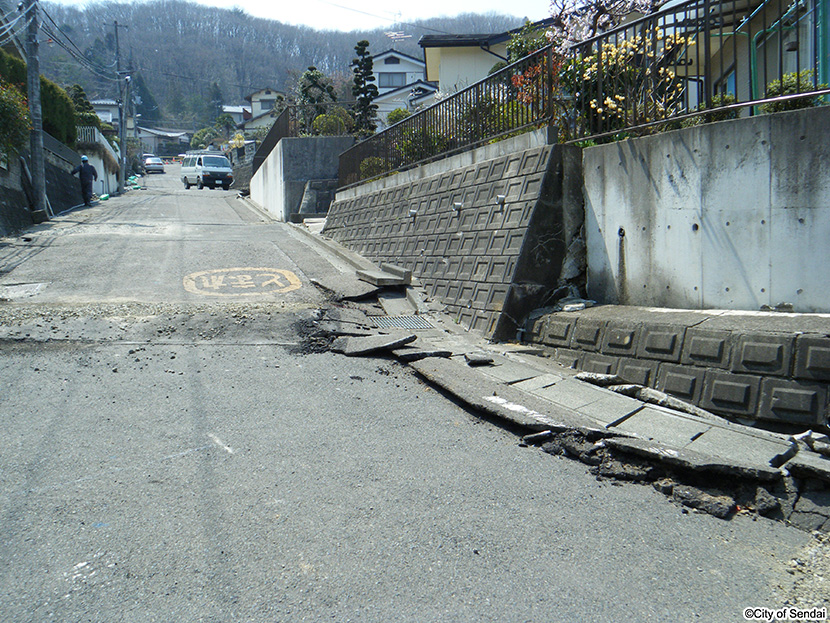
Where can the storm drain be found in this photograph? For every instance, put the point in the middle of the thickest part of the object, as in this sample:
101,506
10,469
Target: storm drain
401,322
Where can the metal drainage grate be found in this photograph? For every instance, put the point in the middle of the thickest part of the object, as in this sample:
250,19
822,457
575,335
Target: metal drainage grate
401,322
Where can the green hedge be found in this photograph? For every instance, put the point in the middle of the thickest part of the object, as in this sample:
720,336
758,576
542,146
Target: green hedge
58,111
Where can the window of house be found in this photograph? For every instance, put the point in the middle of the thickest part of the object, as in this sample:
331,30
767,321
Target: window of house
386,80
726,85
266,104
392,60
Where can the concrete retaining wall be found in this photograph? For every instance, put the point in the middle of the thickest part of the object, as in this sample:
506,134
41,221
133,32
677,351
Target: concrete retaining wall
279,183
489,261
729,215
772,367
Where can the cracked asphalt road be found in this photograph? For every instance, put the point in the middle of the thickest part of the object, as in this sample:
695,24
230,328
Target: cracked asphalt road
172,454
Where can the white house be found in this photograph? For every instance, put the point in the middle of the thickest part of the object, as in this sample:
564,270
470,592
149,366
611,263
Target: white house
237,113
400,82
107,110
263,101
457,61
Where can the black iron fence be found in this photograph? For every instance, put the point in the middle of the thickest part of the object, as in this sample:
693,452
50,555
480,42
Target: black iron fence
510,101
700,61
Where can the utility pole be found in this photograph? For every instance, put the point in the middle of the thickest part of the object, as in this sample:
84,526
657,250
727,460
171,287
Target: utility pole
122,114
35,110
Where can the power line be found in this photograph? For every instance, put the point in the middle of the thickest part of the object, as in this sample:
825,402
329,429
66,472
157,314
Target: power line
394,21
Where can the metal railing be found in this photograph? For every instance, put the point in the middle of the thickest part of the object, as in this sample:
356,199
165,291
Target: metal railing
91,135
702,60
510,101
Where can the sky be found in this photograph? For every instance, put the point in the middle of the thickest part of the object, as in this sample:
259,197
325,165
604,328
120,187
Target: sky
349,15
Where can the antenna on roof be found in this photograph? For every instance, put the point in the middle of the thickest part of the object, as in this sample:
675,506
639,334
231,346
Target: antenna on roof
397,35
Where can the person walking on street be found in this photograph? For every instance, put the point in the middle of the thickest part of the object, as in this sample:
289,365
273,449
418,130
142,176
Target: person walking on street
87,174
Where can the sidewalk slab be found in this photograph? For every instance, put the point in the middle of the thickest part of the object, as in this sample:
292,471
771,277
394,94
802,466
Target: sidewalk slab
664,426
684,459
510,371
356,346
573,394
810,465
499,400
538,382
738,446
380,278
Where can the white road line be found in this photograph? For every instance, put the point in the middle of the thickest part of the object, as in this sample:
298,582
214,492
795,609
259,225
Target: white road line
219,443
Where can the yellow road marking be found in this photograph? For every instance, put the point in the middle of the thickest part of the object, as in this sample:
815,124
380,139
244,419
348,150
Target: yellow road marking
242,282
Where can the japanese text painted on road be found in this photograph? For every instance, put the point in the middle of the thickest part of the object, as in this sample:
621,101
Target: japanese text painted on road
242,282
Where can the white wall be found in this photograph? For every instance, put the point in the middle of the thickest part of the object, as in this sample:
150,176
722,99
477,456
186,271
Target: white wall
267,188
731,215
461,67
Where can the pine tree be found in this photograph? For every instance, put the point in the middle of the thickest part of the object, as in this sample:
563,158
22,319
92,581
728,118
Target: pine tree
364,91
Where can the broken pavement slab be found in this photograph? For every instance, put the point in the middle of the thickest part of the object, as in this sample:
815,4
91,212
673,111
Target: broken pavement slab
478,358
359,346
497,399
810,465
346,288
693,461
417,351
380,278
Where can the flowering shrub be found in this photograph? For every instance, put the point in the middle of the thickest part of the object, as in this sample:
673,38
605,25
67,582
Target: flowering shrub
628,83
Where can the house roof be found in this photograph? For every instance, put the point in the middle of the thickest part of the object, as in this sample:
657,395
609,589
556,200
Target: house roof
394,52
263,90
475,40
163,133
235,109
420,89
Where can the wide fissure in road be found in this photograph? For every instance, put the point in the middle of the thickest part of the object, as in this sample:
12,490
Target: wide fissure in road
173,448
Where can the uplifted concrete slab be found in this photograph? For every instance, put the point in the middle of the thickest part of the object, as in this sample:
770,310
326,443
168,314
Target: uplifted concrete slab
380,278
809,464
662,425
573,394
738,446
416,351
497,399
357,346
538,382
685,459
346,288
510,371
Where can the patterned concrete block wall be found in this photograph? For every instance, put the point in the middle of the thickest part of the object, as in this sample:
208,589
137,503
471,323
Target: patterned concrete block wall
781,376
487,239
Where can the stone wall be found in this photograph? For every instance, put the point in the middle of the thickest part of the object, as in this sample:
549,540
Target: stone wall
14,206
486,232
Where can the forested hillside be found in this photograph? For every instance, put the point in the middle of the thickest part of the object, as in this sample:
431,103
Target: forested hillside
177,50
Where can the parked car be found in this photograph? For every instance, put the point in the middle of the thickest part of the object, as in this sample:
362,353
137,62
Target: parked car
153,165
207,169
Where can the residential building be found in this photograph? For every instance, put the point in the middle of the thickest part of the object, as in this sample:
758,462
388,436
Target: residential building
262,105
400,82
238,113
107,110
457,61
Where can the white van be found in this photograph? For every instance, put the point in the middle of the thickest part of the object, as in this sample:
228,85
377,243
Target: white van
207,169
